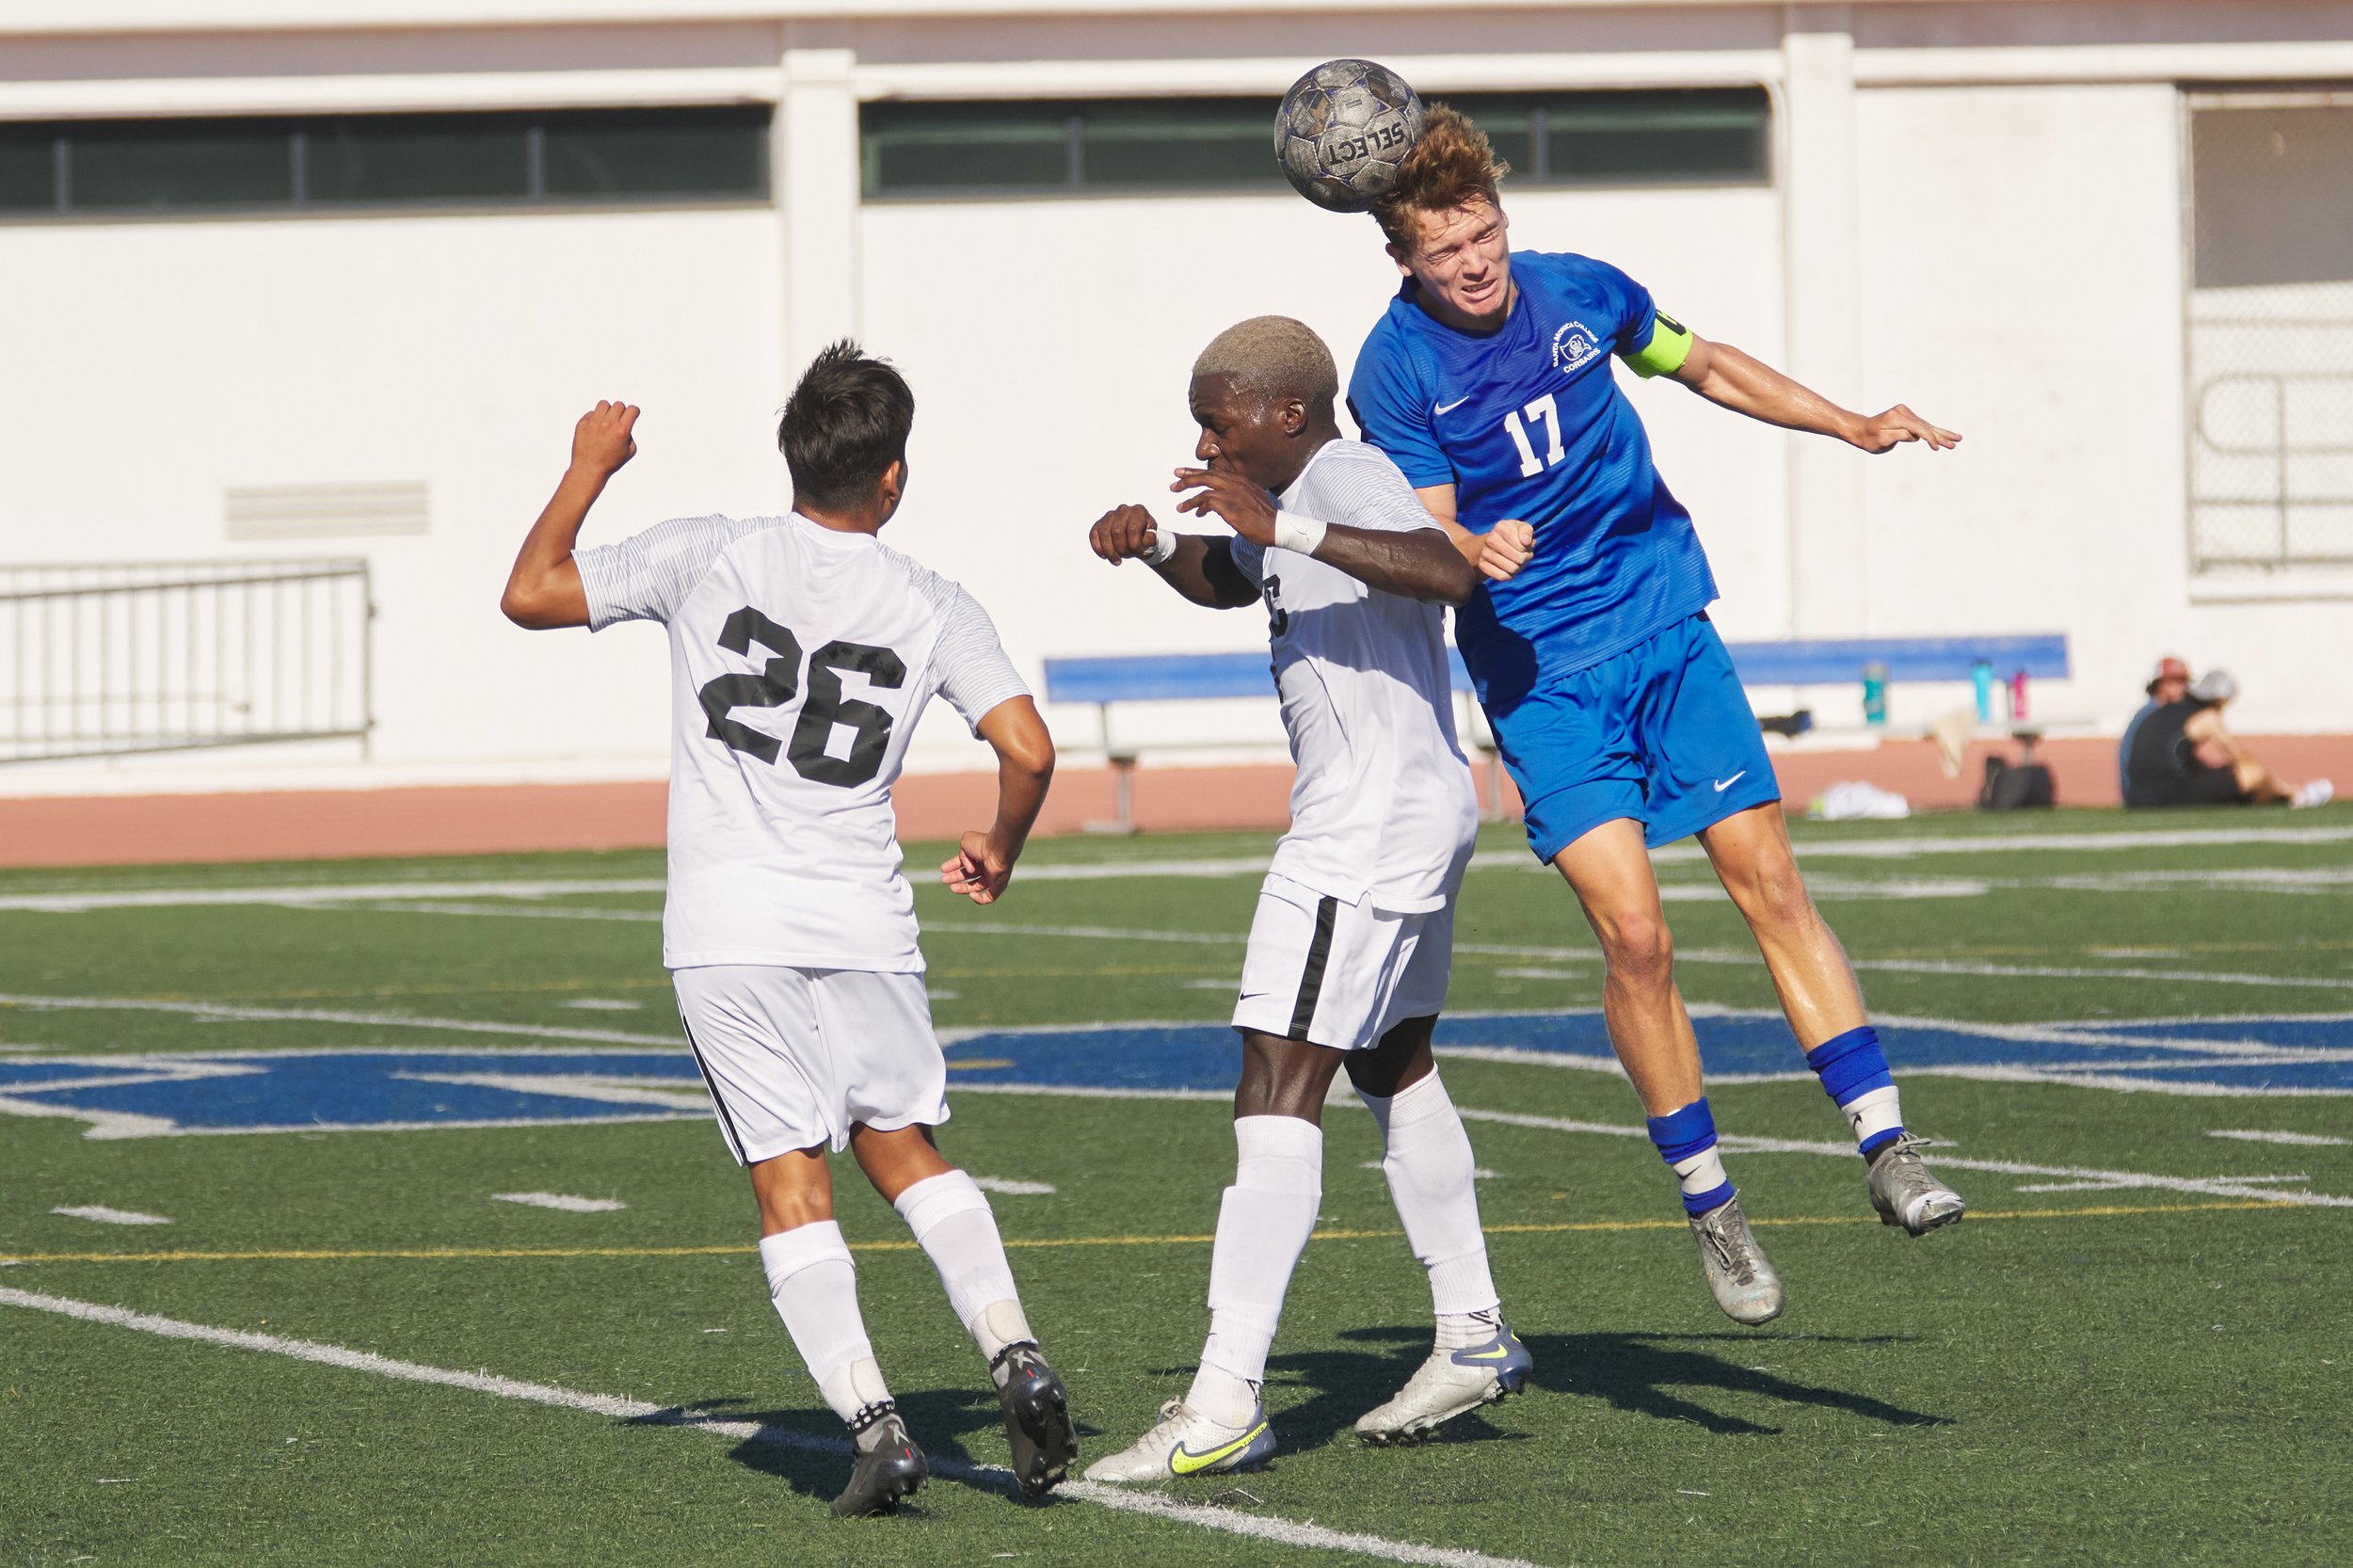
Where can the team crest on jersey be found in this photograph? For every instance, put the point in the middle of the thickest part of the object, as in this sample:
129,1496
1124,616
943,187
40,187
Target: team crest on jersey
1573,347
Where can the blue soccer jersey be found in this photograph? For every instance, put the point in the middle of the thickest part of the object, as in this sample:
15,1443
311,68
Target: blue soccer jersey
1527,422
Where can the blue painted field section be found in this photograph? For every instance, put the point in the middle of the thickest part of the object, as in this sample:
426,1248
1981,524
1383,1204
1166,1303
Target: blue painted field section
177,1095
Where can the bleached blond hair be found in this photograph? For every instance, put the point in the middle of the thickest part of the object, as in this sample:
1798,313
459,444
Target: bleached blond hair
1274,357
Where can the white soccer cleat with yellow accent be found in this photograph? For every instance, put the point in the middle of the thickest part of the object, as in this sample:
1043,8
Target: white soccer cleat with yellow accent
1187,1443
1451,1383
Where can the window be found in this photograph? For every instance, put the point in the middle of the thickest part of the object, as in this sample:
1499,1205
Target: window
2271,319
1580,138
326,164
960,148
1675,137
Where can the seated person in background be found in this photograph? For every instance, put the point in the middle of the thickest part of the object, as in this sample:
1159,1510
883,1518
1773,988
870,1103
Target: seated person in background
2169,683
2178,753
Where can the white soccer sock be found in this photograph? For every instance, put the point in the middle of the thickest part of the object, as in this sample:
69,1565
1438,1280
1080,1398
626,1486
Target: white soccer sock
1870,1114
1702,1172
953,1224
1433,1180
814,1285
1262,1227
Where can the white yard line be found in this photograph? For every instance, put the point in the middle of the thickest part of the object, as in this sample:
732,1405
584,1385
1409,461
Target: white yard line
105,1216
302,894
563,1201
2315,1140
1013,1189
313,1015
1227,1521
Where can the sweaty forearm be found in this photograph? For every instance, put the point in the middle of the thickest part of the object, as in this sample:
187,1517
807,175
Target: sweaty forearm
1424,564
1749,386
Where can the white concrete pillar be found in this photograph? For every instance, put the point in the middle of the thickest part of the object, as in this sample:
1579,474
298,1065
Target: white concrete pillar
813,153
1822,268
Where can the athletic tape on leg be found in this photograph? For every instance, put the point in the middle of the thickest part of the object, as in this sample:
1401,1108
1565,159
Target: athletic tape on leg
1854,1074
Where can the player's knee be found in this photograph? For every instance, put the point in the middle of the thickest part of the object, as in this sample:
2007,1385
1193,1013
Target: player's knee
1777,898
1638,948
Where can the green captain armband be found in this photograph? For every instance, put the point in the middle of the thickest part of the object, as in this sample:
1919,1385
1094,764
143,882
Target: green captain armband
1670,345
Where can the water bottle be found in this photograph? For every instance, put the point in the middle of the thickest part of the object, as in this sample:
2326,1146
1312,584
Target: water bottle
1982,673
2018,697
1875,693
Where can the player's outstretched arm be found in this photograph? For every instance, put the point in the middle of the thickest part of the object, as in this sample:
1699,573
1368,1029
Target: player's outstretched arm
544,590
1727,376
1200,568
1420,563
982,863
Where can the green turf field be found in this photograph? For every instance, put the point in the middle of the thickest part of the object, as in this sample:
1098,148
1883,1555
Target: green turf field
2134,1351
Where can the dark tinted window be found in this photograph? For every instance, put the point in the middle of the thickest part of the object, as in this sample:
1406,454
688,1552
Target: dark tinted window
359,160
181,164
913,147
1675,137
711,151
944,149
28,174
427,158
1202,142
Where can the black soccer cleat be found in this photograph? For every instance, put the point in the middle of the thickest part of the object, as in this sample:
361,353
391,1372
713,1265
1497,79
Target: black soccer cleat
890,1466
1037,1418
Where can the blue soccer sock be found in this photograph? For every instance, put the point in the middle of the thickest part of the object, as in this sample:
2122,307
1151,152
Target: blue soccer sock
1854,1075
1687,1142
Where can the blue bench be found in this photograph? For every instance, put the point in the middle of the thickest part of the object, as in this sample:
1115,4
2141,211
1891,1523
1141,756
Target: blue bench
1108,680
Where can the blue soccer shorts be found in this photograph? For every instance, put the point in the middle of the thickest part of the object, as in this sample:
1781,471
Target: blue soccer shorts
1661,733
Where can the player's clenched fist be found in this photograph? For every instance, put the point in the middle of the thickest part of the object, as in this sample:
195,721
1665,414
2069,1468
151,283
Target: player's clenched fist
979,870
1122,531
1506,549
602,441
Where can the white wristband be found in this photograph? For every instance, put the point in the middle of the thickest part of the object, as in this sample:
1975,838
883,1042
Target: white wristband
1295,532
1163,545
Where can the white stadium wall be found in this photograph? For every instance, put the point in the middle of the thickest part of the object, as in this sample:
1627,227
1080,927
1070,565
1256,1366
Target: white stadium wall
2005,254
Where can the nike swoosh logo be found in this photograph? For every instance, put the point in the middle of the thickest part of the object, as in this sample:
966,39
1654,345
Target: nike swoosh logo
1498,1353
1185,1461
1447,408
1723,784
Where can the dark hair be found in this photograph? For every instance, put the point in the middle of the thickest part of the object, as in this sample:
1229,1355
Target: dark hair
844,426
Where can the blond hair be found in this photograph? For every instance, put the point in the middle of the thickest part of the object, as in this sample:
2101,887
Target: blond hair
1274,357
1451,165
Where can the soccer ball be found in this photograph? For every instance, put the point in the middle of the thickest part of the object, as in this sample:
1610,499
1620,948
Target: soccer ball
1343,129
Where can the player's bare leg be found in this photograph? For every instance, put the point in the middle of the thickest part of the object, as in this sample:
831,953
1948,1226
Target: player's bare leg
1426,1156
1818,994
814,1285
955,1226
1650,1029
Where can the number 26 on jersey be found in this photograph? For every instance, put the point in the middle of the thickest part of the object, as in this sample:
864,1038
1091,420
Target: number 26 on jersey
779,682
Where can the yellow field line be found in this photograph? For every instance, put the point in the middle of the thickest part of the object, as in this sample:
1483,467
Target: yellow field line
1567,1226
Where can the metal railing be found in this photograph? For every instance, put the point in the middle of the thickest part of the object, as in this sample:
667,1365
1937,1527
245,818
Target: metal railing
2271,453
105,661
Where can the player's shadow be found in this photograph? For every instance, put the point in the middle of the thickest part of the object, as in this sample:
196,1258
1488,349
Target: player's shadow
1641,1372
1345,1383
808,1450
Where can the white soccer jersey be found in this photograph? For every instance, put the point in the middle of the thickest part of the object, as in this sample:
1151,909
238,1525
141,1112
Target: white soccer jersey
800,658
1383,804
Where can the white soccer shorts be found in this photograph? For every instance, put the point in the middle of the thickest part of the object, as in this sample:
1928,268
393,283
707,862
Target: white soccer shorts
795,1058
1340,974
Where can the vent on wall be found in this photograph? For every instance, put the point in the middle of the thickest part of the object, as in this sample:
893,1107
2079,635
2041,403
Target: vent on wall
325,511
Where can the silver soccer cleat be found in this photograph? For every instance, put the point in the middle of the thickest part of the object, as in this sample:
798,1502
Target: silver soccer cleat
1450,1384
1744,1282
1904,1191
